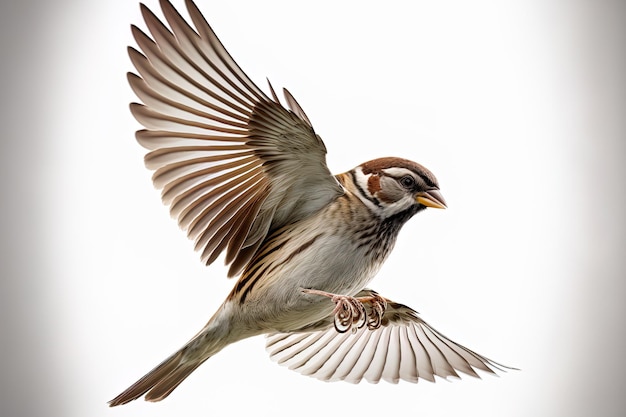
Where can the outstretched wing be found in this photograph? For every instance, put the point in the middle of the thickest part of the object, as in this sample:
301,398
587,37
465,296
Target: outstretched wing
404,348
232,164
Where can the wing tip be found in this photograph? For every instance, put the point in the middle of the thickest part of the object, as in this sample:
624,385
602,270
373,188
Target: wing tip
274,96
295,107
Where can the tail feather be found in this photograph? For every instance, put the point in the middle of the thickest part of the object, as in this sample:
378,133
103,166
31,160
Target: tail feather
165,387
164,378
161,381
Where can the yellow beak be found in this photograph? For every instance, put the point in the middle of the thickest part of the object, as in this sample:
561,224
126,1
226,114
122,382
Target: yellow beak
431,198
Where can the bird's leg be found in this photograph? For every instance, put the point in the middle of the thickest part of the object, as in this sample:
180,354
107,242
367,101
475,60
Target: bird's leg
350,313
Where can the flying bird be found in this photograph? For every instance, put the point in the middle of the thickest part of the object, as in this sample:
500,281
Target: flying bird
247,177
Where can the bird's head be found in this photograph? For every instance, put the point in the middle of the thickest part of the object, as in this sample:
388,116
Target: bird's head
394,185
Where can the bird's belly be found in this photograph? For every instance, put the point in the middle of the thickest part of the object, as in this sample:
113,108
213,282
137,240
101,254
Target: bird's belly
330,263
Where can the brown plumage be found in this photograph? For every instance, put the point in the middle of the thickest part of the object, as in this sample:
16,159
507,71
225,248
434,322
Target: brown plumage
247,177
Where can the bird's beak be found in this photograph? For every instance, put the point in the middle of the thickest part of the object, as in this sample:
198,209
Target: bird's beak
431,198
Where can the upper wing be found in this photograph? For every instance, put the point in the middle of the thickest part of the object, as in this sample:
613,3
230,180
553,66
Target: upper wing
405,347
233,164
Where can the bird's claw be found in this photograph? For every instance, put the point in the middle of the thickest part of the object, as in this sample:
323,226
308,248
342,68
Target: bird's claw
350,312
379,305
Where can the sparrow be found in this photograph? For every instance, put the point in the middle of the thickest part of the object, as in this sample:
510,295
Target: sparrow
247,177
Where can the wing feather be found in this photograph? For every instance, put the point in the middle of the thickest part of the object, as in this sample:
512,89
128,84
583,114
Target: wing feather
193,94
404,348
365,358
346,363
377,365
341,348
408,362
391,371
232,164
422,358
153,140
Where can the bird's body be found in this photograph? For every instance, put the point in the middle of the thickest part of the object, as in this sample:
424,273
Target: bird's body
329,251
247,177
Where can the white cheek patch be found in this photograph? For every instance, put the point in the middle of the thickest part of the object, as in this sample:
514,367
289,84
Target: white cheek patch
396,198
392,199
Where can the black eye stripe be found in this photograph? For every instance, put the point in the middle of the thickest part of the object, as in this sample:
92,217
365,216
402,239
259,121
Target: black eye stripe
428,181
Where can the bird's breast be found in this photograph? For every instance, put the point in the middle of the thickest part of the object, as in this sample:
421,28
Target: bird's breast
327,252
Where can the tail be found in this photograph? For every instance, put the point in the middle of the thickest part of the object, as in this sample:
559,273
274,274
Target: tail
162,380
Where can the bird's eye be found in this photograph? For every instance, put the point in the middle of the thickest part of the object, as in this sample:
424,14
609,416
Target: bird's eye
407,181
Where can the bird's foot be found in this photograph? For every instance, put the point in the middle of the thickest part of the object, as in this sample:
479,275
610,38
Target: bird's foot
350,312
379,305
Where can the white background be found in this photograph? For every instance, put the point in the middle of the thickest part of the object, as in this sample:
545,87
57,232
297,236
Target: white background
517,107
